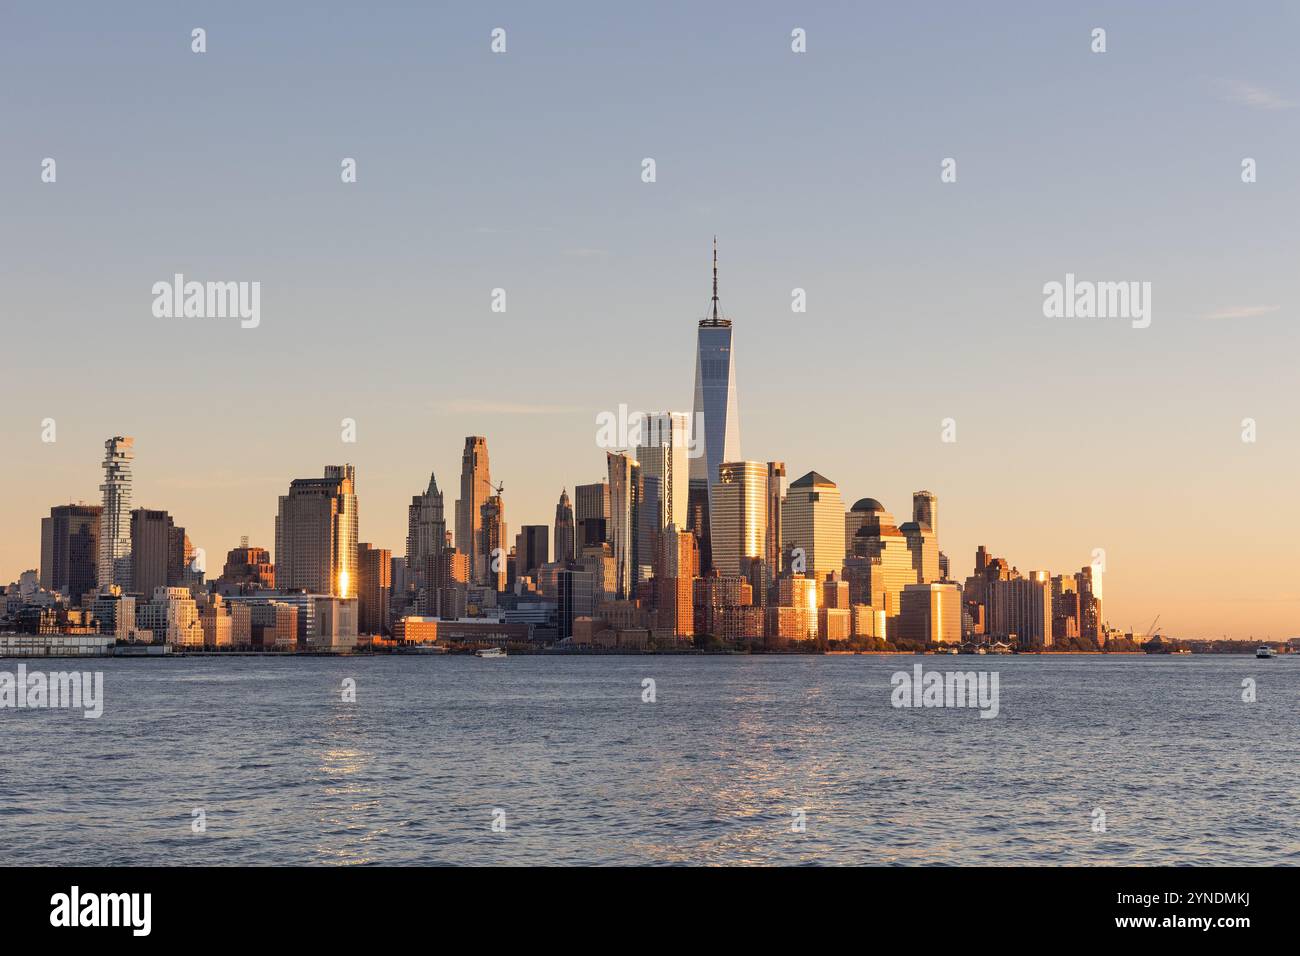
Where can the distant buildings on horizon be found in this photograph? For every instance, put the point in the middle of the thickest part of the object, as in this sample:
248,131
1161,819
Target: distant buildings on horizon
683,542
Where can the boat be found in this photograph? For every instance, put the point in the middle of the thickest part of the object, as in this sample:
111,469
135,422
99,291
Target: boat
423,649
1264,651
489,652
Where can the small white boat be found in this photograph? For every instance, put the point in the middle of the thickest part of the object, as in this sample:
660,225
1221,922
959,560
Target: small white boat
1265,651
489,652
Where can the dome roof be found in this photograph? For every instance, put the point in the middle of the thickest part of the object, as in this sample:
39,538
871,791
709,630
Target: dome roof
867,504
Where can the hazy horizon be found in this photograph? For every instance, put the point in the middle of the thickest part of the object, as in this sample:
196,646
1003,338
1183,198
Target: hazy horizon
818,171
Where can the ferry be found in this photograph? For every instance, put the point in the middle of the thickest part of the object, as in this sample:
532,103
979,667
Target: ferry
490,652
423,649
1264,651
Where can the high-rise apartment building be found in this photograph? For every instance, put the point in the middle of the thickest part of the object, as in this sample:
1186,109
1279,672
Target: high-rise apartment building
738,523
70,549
812,524
1020,608
1091,622
564,530
114,565
475,490
716,413
316,534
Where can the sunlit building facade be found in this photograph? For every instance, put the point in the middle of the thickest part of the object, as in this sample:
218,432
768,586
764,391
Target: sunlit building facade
316,534
739,516
812,524
475,490
930,614
664,455
716,411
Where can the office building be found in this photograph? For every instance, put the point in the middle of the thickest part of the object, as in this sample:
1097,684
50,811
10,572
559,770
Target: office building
812,524
316,534
739,522
70,550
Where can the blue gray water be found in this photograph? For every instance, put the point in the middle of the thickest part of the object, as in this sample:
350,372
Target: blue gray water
711,772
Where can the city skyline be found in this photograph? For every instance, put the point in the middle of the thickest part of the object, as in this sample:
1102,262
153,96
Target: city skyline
923,299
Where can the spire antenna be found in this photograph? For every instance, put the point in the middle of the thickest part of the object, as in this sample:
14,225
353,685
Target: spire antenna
715,278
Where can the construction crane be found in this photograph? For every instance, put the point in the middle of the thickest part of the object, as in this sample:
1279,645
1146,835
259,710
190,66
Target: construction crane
1152,630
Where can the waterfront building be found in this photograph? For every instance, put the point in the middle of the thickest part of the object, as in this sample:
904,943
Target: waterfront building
930,614
1021,608
374,587
316,534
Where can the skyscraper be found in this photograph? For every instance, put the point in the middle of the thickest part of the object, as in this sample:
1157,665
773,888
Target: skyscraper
115,518
157,551
925,510
776,491
531,549
738,527
70,549
426,532
564,530
475,490
592,514
374,586
492,543
716,412
625,490
664,455
813,521
316,534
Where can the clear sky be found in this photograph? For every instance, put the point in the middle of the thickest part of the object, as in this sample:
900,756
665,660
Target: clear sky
818,170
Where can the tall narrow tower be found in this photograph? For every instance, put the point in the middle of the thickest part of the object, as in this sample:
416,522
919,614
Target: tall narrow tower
426,532
475,490
564,552
716,424
114,565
